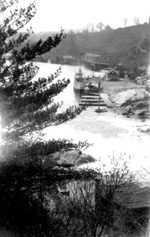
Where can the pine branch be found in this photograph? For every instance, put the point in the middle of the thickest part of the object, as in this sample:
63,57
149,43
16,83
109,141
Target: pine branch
40,119
5,5
17,20
29,52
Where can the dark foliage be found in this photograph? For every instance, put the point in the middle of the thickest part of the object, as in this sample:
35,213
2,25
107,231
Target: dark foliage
28,175
27,105
24,186
31,203
29,181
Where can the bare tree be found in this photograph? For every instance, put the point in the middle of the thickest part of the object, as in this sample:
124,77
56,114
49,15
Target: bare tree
94,207
87,28
125,21
136,20
91,26
100,26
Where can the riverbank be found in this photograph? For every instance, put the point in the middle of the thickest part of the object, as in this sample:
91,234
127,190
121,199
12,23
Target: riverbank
110,135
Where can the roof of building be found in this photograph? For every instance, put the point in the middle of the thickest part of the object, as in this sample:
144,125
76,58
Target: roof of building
138,47
113,70
92,55
67,57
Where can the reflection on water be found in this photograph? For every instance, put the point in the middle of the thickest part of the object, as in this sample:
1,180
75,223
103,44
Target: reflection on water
68,96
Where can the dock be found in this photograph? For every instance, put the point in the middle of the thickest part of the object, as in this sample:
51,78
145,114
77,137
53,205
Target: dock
92,100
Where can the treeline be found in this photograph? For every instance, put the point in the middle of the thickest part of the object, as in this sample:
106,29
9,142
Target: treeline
104,42
36,195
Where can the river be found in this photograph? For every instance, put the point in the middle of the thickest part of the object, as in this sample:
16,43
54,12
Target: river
111,134
68,96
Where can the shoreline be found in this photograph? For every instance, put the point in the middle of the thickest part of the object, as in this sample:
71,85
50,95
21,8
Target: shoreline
110,134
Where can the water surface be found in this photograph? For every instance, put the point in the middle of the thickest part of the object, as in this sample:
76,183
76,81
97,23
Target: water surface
69,97
111,134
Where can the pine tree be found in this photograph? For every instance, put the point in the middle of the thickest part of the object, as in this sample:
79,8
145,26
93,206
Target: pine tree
26,105
27,172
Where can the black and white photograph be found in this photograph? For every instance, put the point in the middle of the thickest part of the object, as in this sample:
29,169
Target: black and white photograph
74,118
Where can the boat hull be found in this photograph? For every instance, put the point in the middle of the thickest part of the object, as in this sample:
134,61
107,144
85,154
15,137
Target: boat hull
78,90
91,83
79,86
79,81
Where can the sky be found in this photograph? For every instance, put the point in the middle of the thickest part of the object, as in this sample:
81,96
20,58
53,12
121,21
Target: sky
52,15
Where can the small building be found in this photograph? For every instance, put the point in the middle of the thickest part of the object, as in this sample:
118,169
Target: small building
112,75
137,51
99,66
91,58
69,60
94,62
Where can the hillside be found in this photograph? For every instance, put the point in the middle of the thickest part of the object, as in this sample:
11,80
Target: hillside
117,41
109,41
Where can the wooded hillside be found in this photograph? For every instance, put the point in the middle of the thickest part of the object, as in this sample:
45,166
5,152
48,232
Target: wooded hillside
107,41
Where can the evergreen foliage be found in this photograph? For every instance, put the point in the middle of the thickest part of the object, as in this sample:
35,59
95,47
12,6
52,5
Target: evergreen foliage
28,175
31,204
26,105
29,184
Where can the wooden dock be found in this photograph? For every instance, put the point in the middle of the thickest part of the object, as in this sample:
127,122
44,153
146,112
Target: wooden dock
92,100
